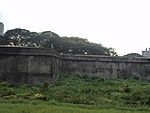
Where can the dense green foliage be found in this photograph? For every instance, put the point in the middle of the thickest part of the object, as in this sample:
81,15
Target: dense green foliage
72,94
48,39
79,90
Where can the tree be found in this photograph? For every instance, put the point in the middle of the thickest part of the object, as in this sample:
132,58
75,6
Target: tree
132,55
48,39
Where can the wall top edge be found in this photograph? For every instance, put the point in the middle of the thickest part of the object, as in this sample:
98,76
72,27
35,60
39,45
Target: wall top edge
105,58
7,50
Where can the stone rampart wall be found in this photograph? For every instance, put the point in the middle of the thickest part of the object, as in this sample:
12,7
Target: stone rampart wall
38,65
29,65
107,67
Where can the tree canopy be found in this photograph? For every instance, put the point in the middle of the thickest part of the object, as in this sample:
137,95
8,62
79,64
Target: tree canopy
48,39
132,55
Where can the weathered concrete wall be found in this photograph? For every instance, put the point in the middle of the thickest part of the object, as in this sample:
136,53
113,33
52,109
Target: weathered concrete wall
29,65
107,67
38,65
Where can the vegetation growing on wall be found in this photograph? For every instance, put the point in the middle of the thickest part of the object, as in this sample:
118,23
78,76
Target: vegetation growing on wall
48,39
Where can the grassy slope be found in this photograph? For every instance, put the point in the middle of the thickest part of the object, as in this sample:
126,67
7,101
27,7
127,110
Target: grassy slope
83,95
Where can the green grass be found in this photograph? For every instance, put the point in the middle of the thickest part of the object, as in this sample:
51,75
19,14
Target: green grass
72,94
50,108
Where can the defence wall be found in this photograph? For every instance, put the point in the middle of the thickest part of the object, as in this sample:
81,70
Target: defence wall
29,65
107,67
38,65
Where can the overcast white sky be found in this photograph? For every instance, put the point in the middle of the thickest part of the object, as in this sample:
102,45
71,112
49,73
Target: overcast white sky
121,24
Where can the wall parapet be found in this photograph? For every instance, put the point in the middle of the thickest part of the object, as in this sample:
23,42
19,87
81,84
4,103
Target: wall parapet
28,51
101,58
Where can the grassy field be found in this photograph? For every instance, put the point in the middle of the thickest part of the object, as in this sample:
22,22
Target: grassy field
72,94
51,108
